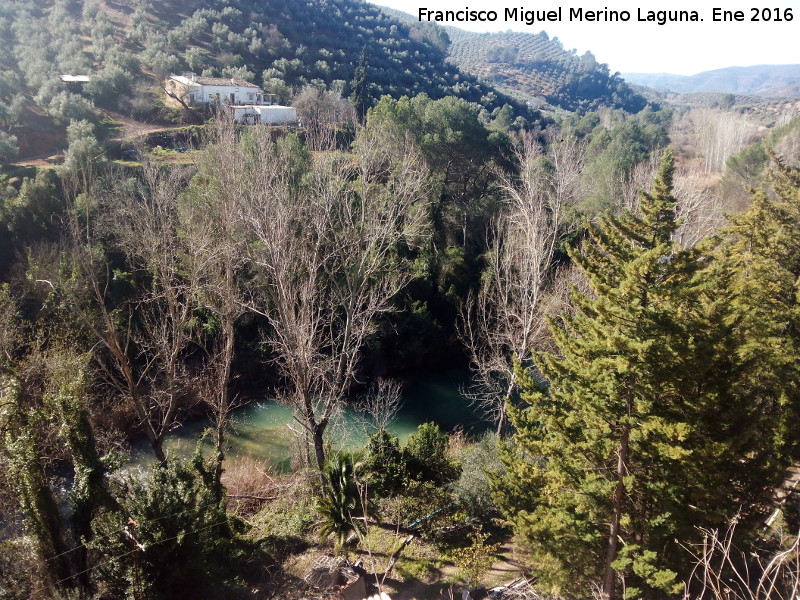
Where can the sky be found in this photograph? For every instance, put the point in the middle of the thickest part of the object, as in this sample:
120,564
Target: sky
646,47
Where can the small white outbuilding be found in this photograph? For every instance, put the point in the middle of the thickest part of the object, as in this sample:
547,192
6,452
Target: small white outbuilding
264,115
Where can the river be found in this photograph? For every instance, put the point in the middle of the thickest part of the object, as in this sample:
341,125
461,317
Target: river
261,429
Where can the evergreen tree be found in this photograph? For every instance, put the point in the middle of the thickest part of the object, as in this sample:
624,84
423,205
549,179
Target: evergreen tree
759,262
361,97
631,436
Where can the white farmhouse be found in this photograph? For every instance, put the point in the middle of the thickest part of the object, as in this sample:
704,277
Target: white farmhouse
190,89
246,102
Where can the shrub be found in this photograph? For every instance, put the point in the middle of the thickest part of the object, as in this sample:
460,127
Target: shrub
472,487
384,465
340,504
8,147
426,456
475,560
182,526
430,509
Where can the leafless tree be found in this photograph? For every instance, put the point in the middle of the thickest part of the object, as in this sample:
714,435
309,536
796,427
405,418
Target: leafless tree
699,206
378,408
724,572
506,320
323,113
145,333
324,247
146,226
720,135
215,248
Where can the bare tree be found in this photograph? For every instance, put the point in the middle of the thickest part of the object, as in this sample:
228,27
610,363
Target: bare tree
146,331
146,226
379,406
215,249
322,114
699,206
324,243
720,135
506,320
724,572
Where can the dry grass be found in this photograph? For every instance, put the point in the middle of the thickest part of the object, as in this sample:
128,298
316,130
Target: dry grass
251,483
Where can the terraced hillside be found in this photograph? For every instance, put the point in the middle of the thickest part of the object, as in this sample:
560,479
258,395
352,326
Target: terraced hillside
126,47
536,65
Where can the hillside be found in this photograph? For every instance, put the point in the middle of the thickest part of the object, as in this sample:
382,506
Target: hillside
128,46
537,65
526,65
763,80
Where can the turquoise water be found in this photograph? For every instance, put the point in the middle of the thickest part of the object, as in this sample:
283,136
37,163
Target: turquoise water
262,429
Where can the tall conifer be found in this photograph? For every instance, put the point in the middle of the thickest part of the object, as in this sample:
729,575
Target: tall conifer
630,435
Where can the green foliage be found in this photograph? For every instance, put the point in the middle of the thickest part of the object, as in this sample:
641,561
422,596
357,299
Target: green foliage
24,430
426,455
284,524
613,153
638,420
475,560
29,217
83,150
340,504
89,492
430,508
360,86
8,148
189,550
760,264
384,465
472,489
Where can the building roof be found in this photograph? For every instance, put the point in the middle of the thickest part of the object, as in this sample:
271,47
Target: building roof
221,81
75,78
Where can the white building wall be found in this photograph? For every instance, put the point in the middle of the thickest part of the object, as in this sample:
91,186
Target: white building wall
210,93
264,115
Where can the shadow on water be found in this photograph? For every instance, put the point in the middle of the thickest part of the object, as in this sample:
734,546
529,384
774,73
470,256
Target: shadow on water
262,429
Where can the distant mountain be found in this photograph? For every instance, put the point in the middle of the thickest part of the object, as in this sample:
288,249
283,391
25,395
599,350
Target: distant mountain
530,66
761,80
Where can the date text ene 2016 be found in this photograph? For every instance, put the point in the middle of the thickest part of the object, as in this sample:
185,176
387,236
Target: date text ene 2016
756,14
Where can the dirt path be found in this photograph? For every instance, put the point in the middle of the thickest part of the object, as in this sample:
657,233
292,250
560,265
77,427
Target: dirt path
507,567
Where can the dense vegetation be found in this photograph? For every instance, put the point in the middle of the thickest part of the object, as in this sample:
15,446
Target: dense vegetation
635,353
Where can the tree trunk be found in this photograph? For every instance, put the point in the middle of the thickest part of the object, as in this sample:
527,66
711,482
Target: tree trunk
158,450
501,423
319,448
619,494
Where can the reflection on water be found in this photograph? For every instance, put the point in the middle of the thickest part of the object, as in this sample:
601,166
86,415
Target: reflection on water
263,430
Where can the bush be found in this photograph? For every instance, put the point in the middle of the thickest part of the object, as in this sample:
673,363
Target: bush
8,147
475,560
384,465
426,456
181,524
430,509
66,107
472,487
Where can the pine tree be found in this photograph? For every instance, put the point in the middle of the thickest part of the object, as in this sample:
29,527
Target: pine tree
759,263
360,85
614,454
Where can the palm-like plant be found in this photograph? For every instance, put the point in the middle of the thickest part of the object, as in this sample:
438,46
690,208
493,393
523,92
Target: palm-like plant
340,505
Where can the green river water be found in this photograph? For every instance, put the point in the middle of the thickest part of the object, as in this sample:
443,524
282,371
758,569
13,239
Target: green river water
261,429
